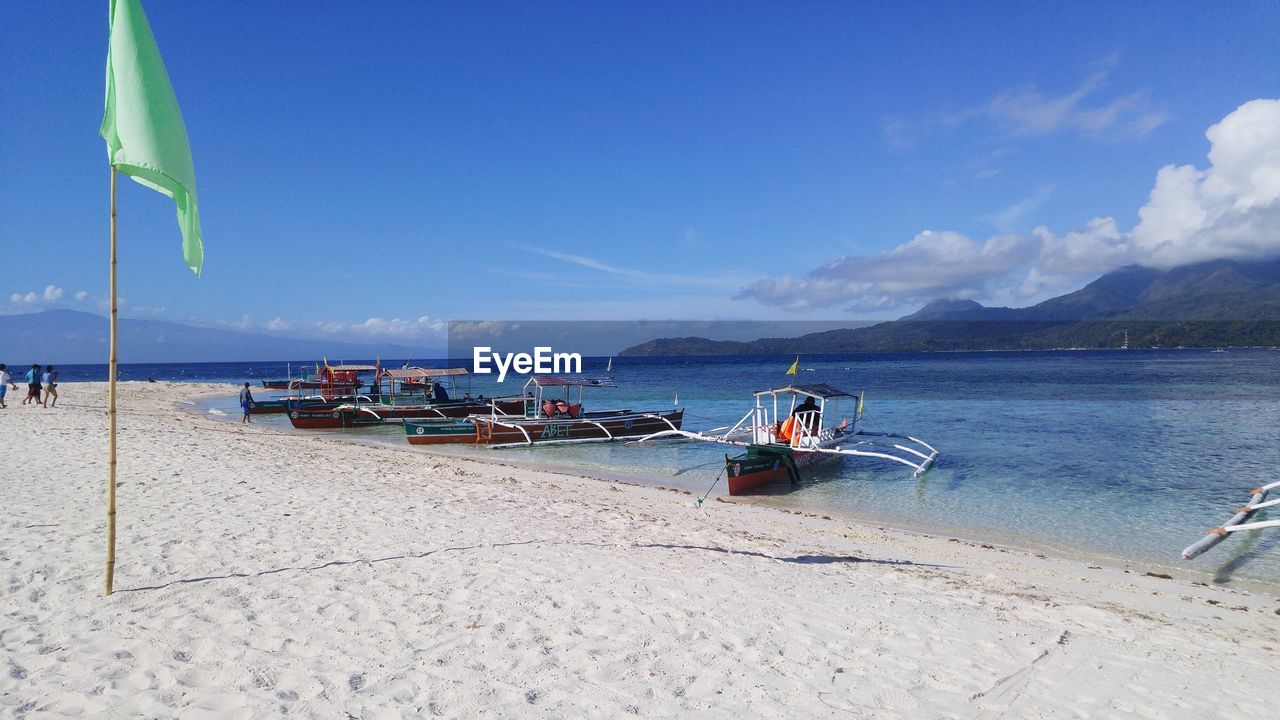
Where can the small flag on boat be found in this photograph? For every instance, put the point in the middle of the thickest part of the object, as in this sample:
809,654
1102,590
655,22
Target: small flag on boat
860,398
794,366
677,400
146,138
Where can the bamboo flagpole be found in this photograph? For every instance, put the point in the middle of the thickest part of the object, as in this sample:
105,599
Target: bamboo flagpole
146,140
111,407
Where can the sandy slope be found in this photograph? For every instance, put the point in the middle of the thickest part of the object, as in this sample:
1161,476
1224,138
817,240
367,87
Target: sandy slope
266,573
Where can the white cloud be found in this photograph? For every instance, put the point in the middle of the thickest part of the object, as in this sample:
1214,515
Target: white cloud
1096,248
932,265
80,296
1027,111
50,294
395,327
372,329
640,276
1231,210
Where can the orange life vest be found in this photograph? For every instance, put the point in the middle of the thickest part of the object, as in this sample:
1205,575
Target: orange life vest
788,427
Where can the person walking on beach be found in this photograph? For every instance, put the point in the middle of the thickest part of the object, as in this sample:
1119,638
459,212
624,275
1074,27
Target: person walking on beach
5,381
33,385
50,380
246,403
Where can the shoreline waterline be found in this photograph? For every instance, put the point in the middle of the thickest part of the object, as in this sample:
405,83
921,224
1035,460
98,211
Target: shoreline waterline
984,537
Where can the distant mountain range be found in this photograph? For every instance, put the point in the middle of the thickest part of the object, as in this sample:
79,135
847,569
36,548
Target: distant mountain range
1216,303
72,337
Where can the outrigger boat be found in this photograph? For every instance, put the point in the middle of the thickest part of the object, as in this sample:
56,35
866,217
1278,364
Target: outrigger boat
333,385
331,380
280,405
413,393
546,421
783,433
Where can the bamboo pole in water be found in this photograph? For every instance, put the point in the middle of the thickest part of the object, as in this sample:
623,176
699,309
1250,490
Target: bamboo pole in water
1257,499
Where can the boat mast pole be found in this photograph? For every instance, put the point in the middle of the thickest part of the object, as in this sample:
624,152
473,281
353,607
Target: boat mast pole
111,406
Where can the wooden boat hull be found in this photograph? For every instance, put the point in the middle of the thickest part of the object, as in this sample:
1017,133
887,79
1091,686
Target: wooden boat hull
764,465
268,407
594,427
336,416
279,406
586,429
441,432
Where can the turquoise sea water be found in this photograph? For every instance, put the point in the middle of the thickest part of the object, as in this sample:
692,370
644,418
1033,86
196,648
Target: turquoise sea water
1132,454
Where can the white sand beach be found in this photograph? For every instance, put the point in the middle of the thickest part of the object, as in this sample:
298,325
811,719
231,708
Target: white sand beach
265,573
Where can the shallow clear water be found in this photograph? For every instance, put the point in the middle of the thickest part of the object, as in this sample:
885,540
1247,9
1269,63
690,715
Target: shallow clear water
1131,454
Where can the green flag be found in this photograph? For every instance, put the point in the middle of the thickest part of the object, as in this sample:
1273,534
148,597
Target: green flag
143,125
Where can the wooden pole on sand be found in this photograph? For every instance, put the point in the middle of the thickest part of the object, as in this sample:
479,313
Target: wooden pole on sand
111,407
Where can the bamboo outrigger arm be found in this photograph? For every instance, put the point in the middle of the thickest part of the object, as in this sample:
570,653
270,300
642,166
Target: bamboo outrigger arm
659,417
1238,522
603,429
920,467
664,434
527,440
566,441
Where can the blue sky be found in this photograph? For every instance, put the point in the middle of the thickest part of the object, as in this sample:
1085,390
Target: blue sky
371,169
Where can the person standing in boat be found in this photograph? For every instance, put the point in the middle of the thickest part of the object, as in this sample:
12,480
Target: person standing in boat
807,414
246,403
787,431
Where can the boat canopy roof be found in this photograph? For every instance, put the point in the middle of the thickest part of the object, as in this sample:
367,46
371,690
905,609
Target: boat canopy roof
572,381
422,373
353,368
821,390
